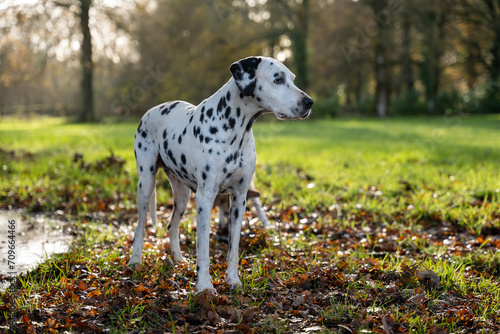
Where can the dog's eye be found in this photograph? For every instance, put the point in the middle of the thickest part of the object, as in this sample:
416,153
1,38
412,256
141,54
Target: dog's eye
279,81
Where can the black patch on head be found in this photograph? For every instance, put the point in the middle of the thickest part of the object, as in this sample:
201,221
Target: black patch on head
246,66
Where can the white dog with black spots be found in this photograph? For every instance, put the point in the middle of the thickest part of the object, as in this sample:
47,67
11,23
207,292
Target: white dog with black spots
209,149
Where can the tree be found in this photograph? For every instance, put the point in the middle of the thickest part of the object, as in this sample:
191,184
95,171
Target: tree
87,113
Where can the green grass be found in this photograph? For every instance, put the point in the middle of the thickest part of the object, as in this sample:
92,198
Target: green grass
360,207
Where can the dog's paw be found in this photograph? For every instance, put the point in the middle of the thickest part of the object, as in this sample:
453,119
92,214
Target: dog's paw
134,261
202,286
233,282
178,258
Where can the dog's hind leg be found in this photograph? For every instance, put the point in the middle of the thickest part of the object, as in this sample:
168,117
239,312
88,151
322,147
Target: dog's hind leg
181,199
145,191
152,207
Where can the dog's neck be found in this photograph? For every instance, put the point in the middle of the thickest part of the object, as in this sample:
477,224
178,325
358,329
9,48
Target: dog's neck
233,116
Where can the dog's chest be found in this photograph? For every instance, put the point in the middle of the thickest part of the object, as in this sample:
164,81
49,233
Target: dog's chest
204,153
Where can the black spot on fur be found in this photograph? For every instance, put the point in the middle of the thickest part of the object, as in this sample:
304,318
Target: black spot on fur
210,112
144,134
165,134
222,104
208,140
140,168
191,119
172,107
232,123
151,169
241,180
213,130
201,138
228,112
165,145
252,120
207,168
204,176
164,110
228,96
236,213
184,132
171,156
238,112
179,140
232,141
139,145
183,159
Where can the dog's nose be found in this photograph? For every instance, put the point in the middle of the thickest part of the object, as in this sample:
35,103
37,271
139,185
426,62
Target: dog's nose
308,102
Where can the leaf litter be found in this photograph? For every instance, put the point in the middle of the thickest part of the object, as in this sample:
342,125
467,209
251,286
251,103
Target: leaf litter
318,270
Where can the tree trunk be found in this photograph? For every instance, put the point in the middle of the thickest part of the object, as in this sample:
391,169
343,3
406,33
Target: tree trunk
408,78
87,112
299,44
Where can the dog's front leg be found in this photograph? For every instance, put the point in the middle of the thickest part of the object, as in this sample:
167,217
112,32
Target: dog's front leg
237,211
204,203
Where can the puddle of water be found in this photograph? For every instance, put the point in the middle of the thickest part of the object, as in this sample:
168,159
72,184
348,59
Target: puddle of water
36,238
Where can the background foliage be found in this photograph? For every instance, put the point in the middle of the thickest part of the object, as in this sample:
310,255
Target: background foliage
370,57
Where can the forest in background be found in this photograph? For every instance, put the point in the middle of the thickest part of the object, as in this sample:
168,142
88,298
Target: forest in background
93,59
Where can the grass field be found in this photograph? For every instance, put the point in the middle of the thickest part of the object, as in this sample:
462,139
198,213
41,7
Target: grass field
381,226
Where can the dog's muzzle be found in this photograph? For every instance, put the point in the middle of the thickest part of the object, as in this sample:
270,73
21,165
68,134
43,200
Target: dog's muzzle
307,102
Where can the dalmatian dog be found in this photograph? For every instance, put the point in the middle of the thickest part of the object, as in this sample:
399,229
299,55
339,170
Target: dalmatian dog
209,149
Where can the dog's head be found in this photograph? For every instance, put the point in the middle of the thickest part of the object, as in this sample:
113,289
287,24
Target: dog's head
270,84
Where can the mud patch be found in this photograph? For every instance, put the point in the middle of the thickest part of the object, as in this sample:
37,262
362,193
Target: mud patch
36,237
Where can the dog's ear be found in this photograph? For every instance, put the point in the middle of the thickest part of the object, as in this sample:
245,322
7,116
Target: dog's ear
244,74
